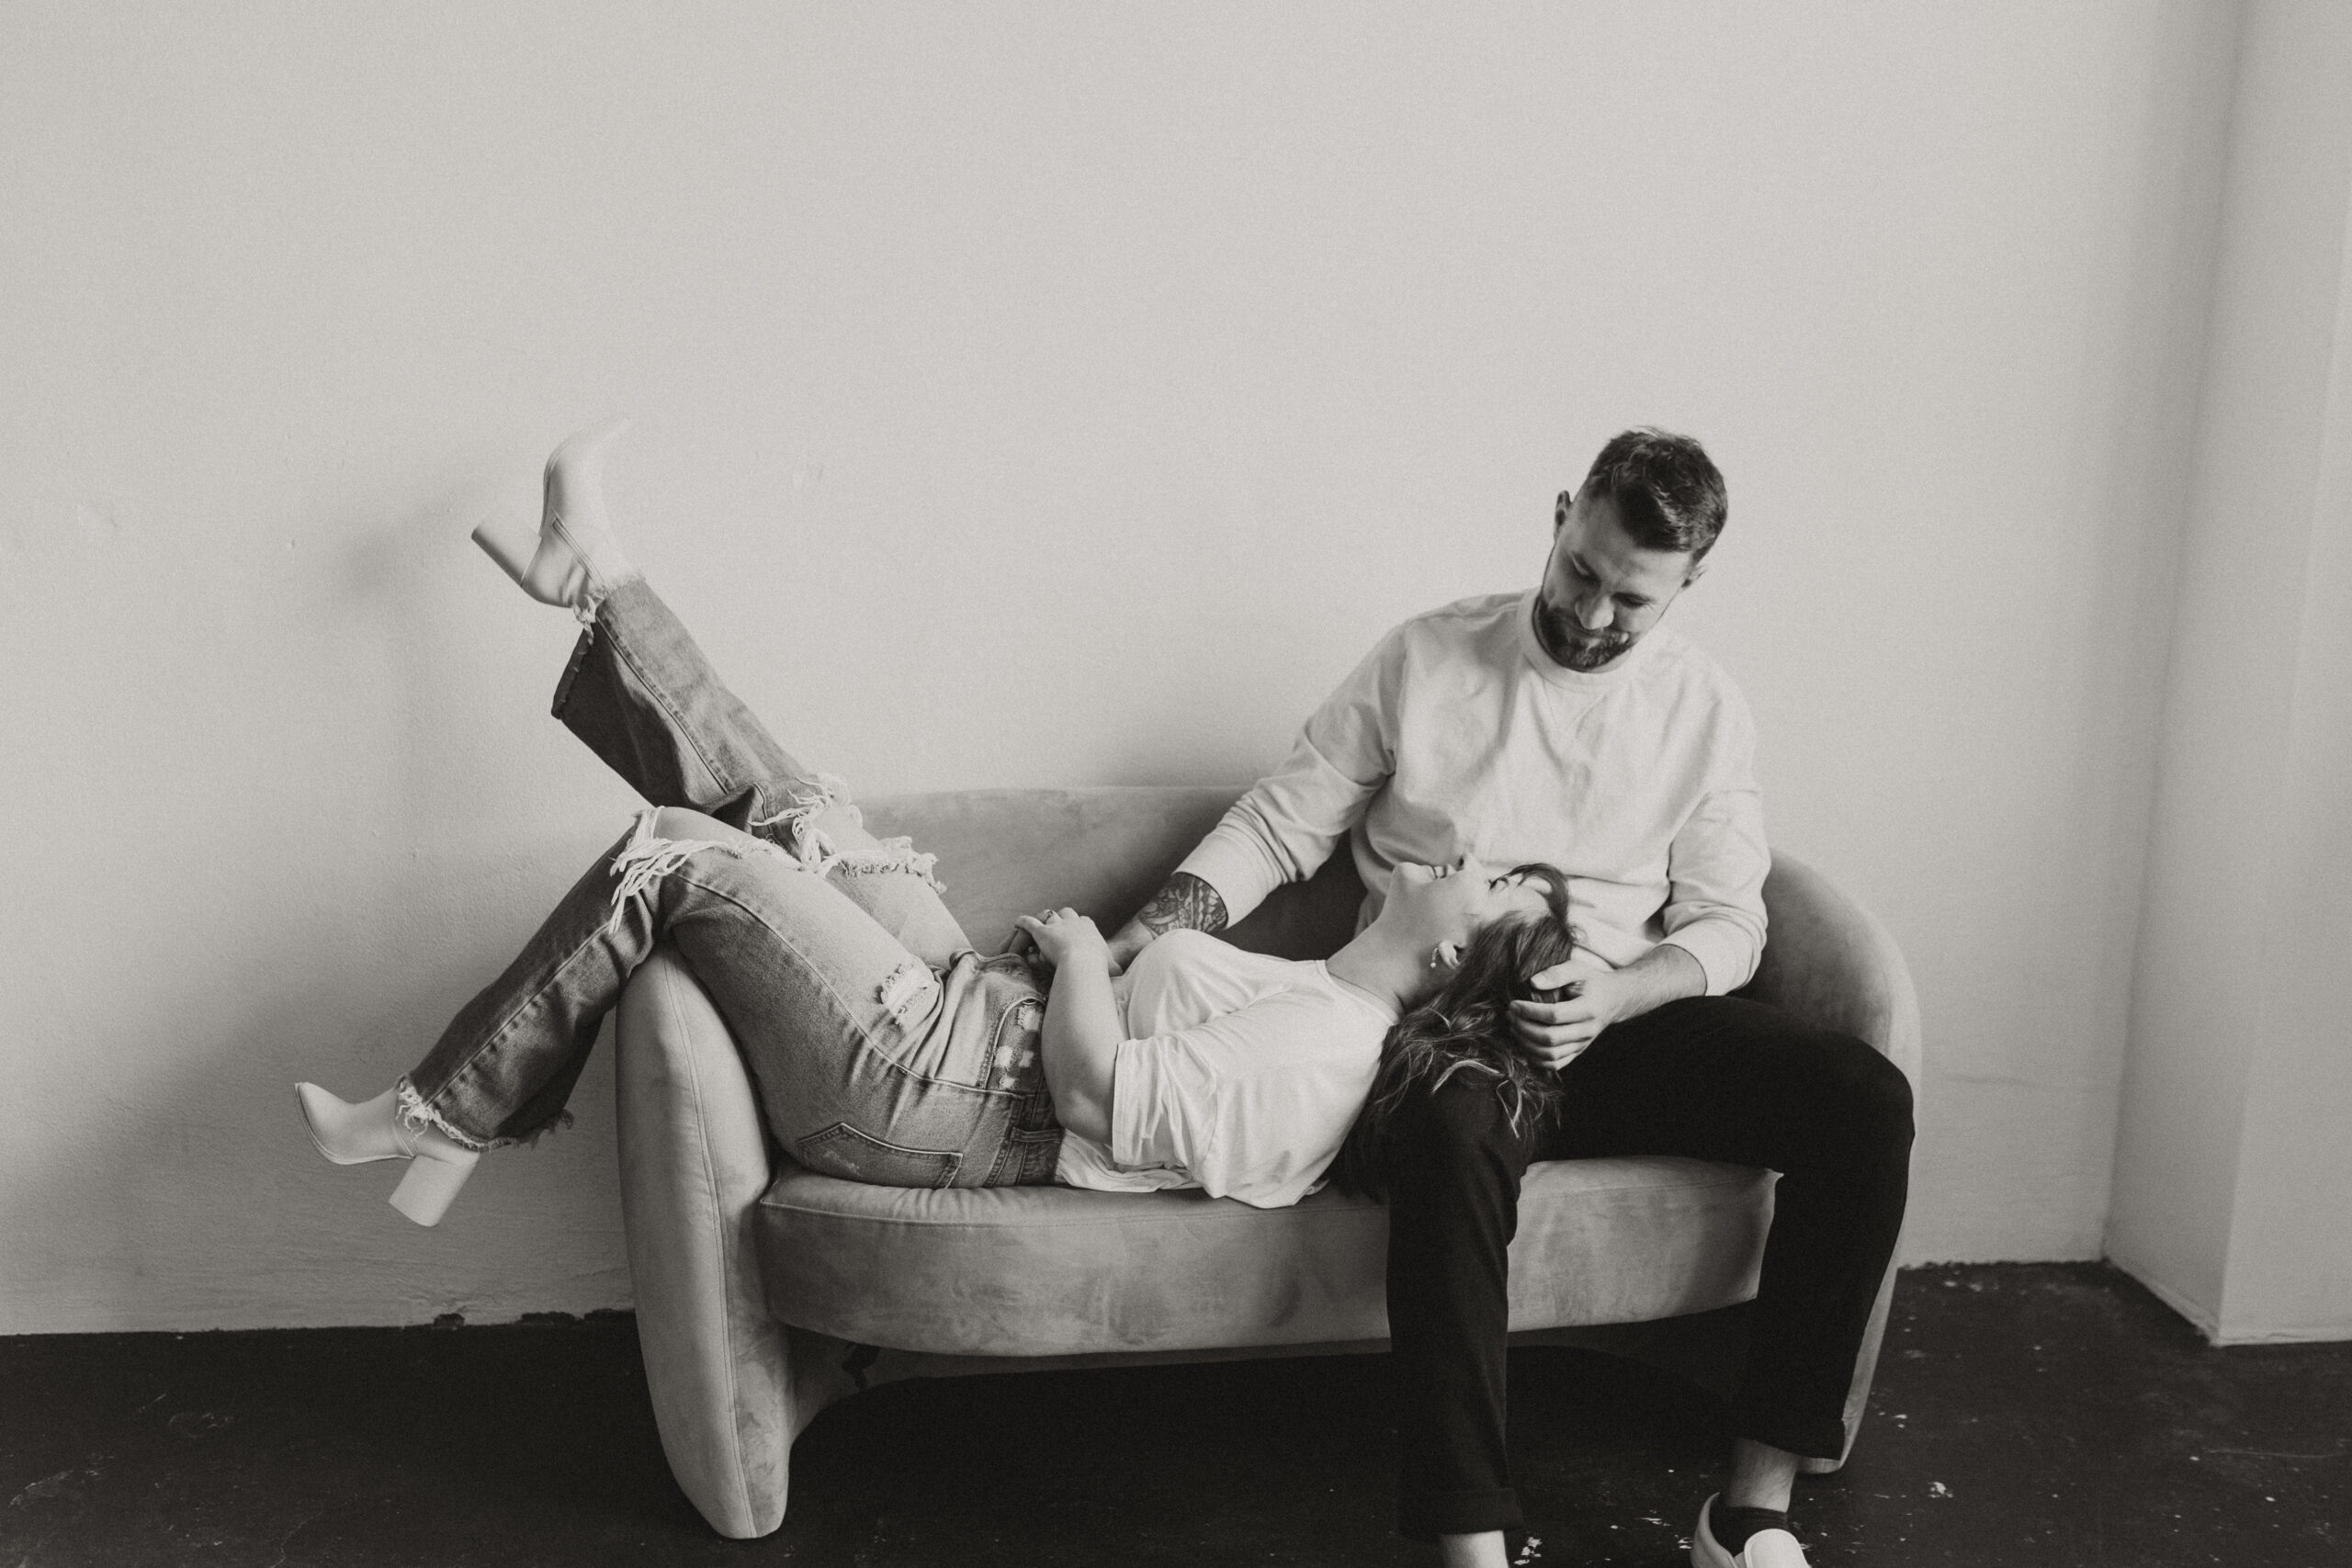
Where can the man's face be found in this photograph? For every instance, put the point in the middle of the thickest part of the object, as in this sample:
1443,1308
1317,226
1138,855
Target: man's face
1602,591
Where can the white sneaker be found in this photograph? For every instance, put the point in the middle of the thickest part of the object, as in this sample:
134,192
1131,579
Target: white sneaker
1765,1549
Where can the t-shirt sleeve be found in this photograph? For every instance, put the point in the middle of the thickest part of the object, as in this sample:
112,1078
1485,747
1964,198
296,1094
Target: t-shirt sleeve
1252,1105
1286,826
1717,863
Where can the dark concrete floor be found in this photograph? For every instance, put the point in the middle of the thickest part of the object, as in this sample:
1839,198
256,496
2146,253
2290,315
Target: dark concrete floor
2024,1414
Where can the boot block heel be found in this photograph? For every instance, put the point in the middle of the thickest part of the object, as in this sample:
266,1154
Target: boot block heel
430,1183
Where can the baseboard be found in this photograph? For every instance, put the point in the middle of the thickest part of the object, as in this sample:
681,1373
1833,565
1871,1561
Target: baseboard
2199,1317
2215,1332
2302,1334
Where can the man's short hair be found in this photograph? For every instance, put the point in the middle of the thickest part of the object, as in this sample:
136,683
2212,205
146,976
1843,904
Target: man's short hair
1667,491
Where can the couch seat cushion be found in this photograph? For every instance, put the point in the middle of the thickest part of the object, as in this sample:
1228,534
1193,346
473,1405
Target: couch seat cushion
1055,1270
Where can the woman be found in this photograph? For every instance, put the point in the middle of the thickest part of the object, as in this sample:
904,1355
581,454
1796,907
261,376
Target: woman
884,1049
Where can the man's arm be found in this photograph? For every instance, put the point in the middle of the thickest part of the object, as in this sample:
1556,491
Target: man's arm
1186,904
1713,917
1285,826
1289,822
1717,865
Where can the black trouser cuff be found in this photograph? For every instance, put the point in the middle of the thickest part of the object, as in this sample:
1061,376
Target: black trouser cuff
1811,1439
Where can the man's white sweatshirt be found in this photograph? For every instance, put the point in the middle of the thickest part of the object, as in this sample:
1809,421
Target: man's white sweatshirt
1459,736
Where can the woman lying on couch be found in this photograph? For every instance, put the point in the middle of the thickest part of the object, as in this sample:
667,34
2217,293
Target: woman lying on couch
884,1049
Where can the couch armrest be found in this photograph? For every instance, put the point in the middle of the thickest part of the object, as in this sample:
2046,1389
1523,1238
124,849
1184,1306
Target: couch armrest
1829,962
693,1163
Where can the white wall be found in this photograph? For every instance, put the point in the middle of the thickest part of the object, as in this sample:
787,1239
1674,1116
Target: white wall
1027,394
2233,1162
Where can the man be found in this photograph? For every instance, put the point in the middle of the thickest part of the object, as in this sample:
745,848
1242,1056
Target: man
1566,724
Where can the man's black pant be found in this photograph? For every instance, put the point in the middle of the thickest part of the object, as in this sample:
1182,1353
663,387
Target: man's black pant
1706,1077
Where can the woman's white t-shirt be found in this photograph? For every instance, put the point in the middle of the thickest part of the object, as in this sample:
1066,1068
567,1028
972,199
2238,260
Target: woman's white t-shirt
1240,1073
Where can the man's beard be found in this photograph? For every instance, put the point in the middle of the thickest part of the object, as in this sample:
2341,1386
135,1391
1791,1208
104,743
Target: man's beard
1587,655
1580,651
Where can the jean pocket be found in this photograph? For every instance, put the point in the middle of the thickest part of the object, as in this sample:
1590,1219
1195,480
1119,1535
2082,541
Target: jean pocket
842,1150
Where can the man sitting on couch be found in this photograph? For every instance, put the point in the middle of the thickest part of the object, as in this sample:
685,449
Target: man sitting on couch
1563,724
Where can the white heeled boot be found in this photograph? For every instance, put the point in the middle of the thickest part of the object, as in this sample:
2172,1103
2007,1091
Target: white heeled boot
355,1134
575,560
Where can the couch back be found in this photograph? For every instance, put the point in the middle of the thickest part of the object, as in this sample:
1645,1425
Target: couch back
1009,851
1104,850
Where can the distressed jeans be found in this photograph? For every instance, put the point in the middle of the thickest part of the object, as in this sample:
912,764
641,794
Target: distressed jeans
884,1048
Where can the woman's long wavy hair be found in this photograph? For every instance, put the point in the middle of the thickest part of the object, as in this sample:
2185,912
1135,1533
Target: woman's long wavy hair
1466,1028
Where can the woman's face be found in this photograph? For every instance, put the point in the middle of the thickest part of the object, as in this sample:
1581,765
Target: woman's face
1441,908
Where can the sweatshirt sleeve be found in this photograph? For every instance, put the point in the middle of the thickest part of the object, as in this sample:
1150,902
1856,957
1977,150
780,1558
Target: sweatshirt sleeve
1716,864
1285,826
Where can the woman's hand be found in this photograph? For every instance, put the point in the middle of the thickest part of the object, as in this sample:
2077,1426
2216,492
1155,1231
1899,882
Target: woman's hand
1064,934
1083,1027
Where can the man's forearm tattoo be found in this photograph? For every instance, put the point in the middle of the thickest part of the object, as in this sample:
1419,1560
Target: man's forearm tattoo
1185,904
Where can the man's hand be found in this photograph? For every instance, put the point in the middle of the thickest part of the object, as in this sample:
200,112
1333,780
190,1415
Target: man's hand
1119,951
1062,935
1556,1034
1126,944
1023,942
1553,1034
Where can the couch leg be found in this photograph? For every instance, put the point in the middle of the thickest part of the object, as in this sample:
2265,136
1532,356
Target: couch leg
825,1371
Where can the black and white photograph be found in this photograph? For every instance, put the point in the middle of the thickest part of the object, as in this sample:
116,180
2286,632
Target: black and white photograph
956,784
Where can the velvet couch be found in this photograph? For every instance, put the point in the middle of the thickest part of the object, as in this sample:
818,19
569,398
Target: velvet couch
765,1291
